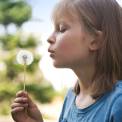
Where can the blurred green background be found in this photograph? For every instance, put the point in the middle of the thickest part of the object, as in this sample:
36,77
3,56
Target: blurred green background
17,12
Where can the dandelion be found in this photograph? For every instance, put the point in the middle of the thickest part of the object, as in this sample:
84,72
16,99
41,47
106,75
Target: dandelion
24,58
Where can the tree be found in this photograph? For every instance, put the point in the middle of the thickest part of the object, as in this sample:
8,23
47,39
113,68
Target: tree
14,11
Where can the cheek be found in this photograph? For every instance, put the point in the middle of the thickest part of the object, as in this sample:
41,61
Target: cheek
70,44
66,44
63,44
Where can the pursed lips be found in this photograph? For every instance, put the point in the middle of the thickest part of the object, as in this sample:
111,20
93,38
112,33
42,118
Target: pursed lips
52,52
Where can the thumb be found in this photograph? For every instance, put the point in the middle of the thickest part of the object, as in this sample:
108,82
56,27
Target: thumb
31,104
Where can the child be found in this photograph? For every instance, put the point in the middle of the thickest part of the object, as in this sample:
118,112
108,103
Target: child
87,38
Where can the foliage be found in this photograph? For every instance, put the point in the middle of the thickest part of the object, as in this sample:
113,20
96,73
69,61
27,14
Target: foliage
17,11
10,42
7,91
5,109
41,92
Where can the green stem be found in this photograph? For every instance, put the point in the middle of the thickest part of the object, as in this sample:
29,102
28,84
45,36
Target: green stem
24,85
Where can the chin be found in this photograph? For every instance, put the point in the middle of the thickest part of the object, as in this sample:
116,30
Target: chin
57,65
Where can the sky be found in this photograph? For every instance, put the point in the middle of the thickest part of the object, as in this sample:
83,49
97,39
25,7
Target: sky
42,11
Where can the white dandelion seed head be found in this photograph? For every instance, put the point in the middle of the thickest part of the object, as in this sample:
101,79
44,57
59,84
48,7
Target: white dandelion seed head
24,57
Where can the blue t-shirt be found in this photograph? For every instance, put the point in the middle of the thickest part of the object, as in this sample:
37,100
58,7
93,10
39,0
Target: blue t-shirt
107,108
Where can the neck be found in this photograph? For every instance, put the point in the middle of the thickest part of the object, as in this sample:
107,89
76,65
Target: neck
85,76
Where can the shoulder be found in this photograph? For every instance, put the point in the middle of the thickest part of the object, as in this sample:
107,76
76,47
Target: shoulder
69,98
116,109
117,90
118,86
116,94
70,95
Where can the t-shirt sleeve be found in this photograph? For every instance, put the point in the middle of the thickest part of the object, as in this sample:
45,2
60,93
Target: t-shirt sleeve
116,114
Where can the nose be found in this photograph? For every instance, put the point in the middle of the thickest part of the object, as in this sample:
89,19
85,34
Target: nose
51,39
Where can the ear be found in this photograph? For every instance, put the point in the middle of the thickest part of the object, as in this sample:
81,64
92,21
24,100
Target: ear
96,41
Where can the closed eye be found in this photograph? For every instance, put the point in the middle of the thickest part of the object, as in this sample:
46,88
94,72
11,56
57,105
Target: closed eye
61,28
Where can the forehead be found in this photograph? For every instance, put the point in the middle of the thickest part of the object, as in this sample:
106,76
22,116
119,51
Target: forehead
64,10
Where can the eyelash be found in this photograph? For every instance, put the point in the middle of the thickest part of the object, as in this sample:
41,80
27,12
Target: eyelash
60,29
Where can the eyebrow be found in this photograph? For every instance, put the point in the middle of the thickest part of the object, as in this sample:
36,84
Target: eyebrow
63,21
59,21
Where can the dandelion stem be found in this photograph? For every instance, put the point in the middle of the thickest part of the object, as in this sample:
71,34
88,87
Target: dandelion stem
24,85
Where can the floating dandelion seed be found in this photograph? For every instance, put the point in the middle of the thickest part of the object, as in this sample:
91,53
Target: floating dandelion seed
24,58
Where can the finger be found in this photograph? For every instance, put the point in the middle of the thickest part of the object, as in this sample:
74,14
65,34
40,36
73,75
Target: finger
15,105
21,93
17,109
25,94
31,103
21,100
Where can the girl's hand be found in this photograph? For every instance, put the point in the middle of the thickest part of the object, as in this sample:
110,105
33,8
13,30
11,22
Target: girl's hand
24,110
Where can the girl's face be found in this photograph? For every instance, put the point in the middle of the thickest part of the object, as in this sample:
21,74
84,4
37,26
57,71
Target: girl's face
69,43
